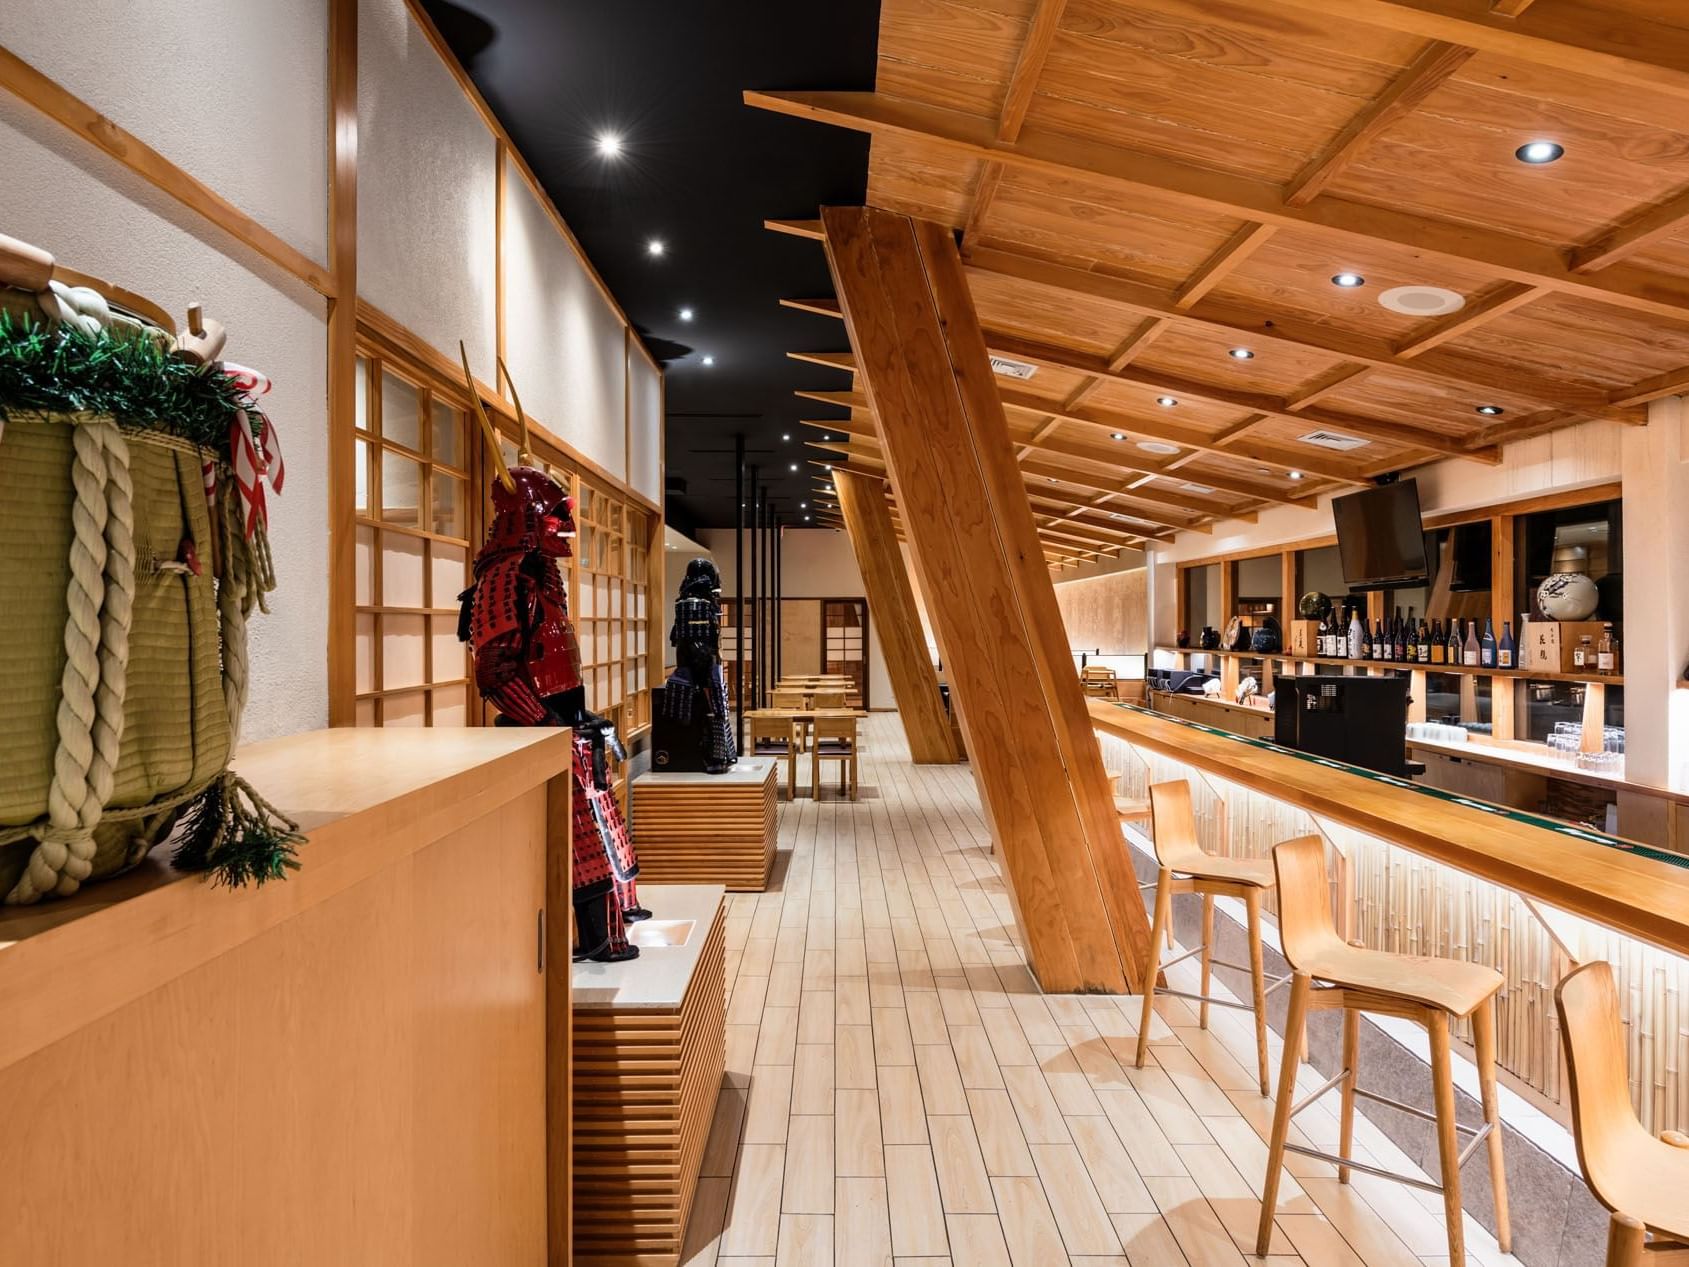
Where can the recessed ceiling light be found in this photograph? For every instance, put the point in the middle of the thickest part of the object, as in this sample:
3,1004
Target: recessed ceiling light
686,314
1348,280
803,505
1491,411
609,144
1117,435
1241,354
825,436
1166,402
1296,475
1539,152
709,360
806,518
655,247
794,466
1157,446
1051,478
785,435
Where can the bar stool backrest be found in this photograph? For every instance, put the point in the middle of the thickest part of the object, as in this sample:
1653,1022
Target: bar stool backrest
788,699
1176,845
829,699
1609,1136
773,734
1305,925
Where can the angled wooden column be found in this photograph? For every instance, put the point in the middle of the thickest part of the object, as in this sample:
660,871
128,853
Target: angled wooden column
891,603
922,360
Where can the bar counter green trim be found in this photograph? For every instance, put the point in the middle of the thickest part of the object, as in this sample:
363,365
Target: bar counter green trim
1621,883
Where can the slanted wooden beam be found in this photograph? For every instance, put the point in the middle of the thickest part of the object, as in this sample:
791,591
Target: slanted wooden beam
1042,786
1668,219
1671,383
1217,193
1509,8
795,228
1434,64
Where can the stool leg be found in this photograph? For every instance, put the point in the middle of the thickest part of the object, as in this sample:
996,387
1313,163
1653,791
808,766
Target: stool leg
1351,1063
1163,922
1258,980
1448,1143
1299,987
1207,956
1626,1238
1483,1037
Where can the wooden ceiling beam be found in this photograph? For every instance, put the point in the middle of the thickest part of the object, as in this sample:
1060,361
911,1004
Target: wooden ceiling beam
1566,35
810,229
1439,331
1446,369
1667,219
1435,63
1332,380
1215,192
1672,383
1220,265
1509,8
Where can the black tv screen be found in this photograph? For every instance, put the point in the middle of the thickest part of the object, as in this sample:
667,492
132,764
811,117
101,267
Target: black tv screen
1380,537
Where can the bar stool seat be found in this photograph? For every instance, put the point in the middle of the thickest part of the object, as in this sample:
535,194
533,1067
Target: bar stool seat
1131,809
1448,984
1185,867
1330,973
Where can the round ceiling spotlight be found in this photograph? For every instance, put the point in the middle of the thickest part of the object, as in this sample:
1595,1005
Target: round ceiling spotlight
1539,152
1491,411
794,468
1117,435
1348,280
1296,475
1241,354
709,360
1157,446
1166,402
1422,301
609,144
785,435
686,314
656,248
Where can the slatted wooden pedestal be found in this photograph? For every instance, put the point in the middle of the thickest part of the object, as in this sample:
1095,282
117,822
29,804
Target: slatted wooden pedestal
649,1048
707,828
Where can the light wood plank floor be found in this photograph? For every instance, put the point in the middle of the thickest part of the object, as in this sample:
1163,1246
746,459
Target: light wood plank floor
899,1093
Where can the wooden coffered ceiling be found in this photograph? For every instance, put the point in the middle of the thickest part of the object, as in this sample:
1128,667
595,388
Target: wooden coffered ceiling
1141,186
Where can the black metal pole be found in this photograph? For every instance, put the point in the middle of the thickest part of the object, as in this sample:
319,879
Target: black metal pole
739,589
754,588
779,591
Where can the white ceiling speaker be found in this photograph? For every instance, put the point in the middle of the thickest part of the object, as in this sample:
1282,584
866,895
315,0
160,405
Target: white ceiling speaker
1158,446
1422,301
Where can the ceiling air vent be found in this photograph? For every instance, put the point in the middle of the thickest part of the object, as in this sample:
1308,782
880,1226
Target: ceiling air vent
1012,369
1195,488
1333,440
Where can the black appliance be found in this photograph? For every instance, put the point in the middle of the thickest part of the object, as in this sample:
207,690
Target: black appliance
1178,681
1381,537
1357,720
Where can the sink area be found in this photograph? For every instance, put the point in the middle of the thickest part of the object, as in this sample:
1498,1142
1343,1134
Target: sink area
661,932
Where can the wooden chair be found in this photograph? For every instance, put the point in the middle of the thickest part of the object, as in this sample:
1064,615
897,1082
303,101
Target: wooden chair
829,698
835,740
788,697
1186,868
1434,992
1097,679
1644,1181
777,737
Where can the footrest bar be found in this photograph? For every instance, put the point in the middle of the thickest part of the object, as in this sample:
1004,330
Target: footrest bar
1308,1099
1408,1108
1362,1166
1472,1146
1177,959
1205,998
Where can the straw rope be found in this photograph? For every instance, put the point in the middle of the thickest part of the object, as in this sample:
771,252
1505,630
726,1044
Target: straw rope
99,604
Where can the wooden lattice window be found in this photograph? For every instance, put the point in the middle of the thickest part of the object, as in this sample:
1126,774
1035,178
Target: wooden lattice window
413,529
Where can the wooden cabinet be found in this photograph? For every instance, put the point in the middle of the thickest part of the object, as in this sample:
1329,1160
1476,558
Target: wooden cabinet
346,1067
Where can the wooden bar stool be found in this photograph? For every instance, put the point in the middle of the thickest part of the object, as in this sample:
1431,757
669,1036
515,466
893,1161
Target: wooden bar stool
1644,1181
1185,868
1433,992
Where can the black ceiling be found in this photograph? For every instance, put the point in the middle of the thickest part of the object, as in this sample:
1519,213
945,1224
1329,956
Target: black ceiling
701,171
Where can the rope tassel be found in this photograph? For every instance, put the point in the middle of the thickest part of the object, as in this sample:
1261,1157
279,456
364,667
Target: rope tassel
237,836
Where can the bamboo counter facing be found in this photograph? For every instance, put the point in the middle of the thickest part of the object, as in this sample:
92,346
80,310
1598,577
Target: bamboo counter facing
1604,879
695,828
346,1066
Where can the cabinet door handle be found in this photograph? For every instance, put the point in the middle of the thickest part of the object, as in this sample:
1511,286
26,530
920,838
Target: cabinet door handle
541,941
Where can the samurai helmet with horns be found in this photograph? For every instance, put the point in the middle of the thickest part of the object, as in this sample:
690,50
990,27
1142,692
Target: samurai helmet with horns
531,510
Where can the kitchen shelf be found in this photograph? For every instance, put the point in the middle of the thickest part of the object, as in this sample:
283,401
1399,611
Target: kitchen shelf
1533,675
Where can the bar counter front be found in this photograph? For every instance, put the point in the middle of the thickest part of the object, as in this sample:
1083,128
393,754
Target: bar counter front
1422,871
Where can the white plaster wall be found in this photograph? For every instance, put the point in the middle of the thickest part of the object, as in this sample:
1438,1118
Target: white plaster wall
814,563
234,93
562,341
645,425
61,194
427,176
1573,458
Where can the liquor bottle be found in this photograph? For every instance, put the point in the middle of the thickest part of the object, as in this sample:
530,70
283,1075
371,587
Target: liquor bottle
1378,639
1472,650
1398,644
1424,656
1357,634
1410,639
1486,649
1607,651
1439,644
1583,655
1324,642
1506,651
1454,652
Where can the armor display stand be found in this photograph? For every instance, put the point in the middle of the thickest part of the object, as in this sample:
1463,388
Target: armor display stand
515,616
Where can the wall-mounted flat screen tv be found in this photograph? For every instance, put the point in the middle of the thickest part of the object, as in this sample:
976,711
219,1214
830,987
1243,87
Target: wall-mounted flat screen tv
1380,537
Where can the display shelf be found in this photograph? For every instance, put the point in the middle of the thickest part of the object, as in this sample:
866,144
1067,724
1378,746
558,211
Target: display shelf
1534,675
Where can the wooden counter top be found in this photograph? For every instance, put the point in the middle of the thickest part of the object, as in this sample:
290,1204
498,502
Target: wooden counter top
364,798
1624,885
